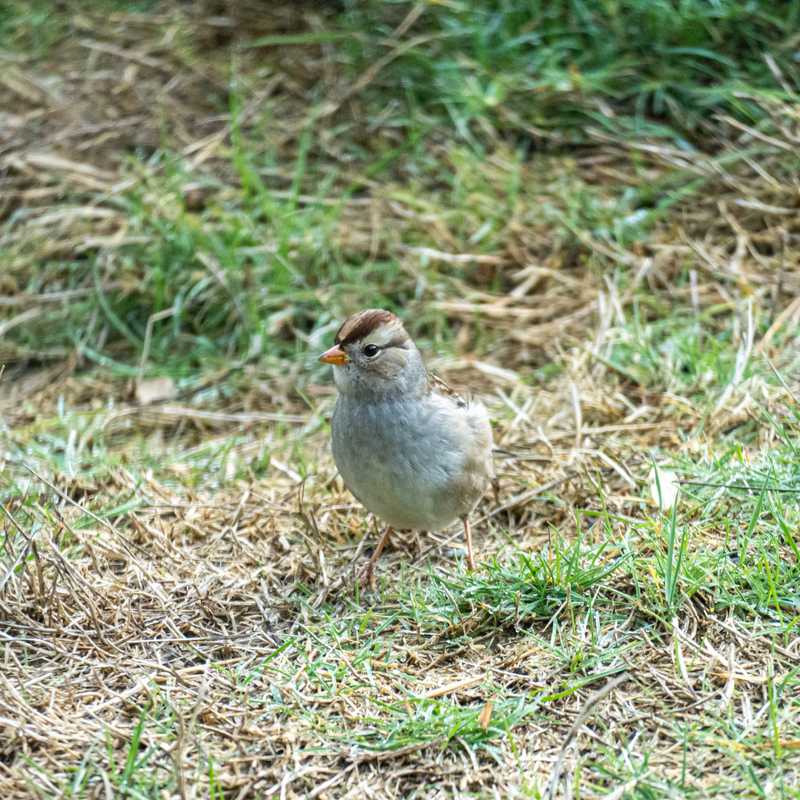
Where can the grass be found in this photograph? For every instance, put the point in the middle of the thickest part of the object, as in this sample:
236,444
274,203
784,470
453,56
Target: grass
550,69
584,212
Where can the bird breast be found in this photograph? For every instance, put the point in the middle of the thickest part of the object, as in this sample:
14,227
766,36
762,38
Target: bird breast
415,464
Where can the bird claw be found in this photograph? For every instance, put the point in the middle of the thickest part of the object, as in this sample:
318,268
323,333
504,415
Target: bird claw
366,578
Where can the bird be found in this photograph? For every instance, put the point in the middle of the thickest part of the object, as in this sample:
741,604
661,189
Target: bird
410,449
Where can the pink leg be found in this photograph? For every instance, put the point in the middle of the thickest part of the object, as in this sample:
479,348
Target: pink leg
368,575
468,536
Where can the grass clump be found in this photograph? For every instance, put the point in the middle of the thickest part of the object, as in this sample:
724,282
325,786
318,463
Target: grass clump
654,68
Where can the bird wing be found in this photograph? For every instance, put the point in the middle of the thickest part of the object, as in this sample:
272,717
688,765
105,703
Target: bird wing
441,387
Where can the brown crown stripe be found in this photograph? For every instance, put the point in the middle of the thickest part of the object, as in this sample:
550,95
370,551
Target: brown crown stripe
362,324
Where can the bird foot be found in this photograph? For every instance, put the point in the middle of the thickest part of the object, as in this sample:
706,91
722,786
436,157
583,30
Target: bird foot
366,577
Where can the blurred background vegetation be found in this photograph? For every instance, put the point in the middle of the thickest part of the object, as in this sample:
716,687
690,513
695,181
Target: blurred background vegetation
229,157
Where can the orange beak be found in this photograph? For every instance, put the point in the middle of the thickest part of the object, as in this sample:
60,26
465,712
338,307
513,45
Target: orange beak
335,356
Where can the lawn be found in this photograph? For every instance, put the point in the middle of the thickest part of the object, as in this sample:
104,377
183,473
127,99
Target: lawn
587,213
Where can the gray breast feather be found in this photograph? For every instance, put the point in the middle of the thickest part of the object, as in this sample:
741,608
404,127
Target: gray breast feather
419,465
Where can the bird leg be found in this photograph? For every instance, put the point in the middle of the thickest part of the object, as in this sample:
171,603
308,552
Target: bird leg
468,537
368,575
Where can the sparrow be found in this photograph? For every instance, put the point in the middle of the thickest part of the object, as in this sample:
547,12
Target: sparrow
408,448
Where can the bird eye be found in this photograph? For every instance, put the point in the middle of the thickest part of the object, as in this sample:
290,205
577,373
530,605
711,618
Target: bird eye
371,350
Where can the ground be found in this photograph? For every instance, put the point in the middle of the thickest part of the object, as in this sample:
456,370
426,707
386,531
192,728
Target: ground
588,216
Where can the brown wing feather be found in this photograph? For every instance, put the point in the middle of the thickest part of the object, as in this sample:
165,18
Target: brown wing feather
441,387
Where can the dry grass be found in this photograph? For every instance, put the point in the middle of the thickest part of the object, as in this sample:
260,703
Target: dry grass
176,595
